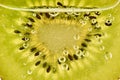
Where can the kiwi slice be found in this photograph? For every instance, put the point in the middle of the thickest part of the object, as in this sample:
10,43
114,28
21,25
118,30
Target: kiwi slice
59,45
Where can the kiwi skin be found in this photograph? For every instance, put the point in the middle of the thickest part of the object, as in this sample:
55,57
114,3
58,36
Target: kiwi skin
11,69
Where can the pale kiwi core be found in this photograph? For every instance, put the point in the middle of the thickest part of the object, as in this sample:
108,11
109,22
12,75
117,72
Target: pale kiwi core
58,36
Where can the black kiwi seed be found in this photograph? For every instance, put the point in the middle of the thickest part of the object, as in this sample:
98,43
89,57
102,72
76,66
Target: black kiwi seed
47,15
97,13
37,53
93,22
17,31
21,48
82,49
97,28
37,63
48,69
75,56
38,16
58,62
44,56
70,57
31,19
100,35
33,49
59,4
44,64
108,23
28,25
86,14
82,56
92,17
84,44
88,35
27,33
25,39
41,13
87,40
68,68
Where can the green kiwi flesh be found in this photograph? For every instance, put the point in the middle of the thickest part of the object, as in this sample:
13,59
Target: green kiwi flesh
16,64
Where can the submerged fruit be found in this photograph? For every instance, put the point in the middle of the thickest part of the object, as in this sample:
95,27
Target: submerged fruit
59,45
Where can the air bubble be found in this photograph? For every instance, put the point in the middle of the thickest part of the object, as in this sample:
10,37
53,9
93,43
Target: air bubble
25,45
108,22
86,14
86,54
25,39
82,22
23,76
93,21
30,23
90,29
76,13
29,72
80,53
100,40
65,66
69,13
76,47
33,31
65,52
108,55
76,37
97,26
62,59
34,14
54,14
109,15
86,18
97,13
102,48
20,35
